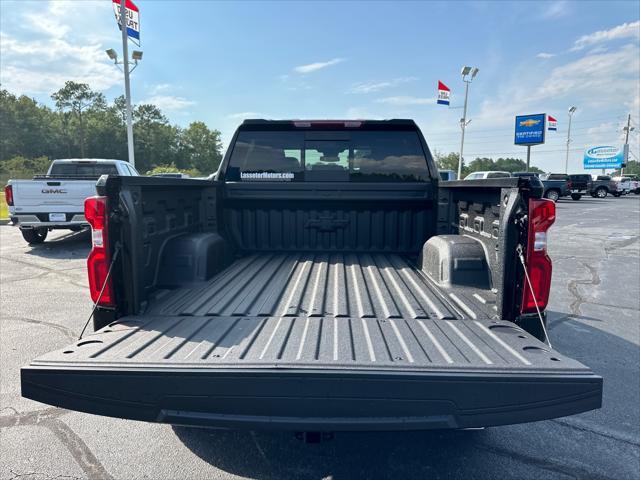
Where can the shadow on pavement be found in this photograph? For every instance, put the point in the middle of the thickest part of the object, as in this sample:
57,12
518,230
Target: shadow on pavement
69,245
348,455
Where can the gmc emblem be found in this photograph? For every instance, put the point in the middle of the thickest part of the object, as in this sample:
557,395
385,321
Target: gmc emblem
54,190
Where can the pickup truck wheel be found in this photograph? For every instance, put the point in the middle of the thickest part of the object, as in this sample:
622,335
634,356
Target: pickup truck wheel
552,195
601,192
34,236
576,196
616,194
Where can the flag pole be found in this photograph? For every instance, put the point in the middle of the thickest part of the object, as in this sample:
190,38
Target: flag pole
127,84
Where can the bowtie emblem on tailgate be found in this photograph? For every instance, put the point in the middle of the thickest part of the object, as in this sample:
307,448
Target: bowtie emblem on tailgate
327,223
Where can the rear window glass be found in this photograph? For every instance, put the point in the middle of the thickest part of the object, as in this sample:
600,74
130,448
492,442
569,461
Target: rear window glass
358,156
557,176
84,169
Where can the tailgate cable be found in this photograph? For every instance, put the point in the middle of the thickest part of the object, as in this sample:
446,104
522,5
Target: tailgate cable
106,279
533,295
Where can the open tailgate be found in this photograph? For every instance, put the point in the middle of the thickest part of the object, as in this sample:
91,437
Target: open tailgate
314,373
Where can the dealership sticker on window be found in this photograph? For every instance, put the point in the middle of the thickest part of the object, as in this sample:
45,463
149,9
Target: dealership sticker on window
269,176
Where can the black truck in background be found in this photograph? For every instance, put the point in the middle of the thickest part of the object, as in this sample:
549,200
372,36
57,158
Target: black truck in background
324,280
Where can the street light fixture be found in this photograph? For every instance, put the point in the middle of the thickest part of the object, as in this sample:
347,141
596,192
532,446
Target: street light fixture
113,55
463,121
136,56
566,161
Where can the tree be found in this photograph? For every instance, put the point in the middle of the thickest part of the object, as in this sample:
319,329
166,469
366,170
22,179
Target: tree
632,168
450,162
75,98
482,164
201,148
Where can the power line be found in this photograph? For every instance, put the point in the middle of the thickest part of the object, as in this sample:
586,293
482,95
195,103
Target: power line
594,120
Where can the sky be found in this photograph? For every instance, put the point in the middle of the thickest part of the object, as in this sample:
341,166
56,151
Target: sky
221,62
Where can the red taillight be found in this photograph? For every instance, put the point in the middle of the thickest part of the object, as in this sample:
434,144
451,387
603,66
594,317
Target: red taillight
8,195
542,214
95,211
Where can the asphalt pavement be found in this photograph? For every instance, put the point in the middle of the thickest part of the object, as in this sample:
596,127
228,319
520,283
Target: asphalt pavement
594,316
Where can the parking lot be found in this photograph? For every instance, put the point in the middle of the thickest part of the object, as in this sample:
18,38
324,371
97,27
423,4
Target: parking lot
593,317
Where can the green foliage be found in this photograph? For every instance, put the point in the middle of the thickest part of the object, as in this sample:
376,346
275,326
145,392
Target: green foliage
22,167
450,162
632,168
85,125
192,172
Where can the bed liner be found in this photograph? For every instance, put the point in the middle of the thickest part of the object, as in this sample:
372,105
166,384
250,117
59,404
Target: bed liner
315,342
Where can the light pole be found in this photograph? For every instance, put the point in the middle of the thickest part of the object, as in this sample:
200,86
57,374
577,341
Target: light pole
626,129
135,56
566,161
463,121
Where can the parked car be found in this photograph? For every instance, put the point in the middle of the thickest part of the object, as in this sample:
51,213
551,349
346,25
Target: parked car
487,174
324,280
620,186
580,185
556,186
448,175
56,200
601,186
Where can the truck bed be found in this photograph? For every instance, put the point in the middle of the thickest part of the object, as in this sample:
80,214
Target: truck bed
269,337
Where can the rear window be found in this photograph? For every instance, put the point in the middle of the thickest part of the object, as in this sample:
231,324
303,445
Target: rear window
357,156
84,169
557,176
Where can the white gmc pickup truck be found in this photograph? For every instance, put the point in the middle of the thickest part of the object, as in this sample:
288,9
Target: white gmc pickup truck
56,200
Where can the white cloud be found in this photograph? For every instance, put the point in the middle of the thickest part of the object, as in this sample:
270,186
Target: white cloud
556,9
244,115
371,87
160,88
314,67
626,30
545,55
44,52
169,103
607,73
406,101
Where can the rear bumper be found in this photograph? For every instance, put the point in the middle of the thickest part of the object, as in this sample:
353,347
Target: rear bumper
314,400
41,220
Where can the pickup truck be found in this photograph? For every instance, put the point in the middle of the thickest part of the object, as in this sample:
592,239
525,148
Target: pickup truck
556,186
601,186
324,280
635,183
580,185
56,200
621,186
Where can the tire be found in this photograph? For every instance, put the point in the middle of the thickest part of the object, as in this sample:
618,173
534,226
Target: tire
34,236
601,192
616,194
553,195
576,196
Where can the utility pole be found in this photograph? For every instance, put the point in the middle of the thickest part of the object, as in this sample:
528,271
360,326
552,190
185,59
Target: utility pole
463,121
566,161
627,129
463,125
127,85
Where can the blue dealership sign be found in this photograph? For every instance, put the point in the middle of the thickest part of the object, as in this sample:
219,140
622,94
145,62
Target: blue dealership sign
530,129
603,156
